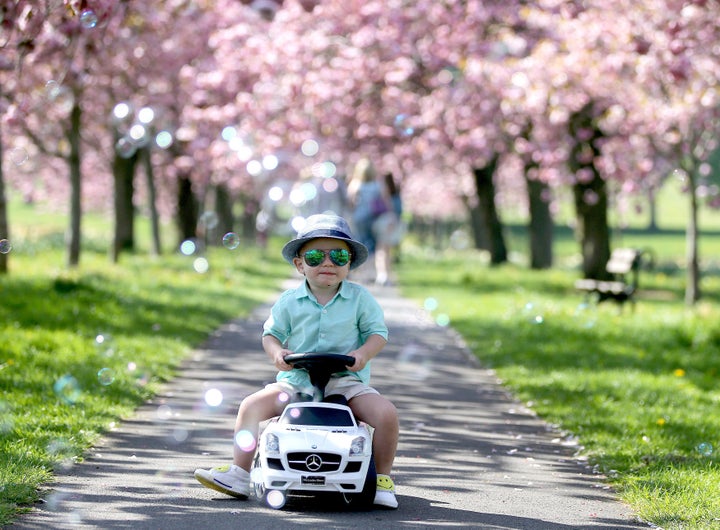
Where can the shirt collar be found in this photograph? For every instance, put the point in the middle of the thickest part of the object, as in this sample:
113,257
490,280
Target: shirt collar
303,291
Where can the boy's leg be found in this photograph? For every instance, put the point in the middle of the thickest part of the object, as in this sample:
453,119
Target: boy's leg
258,407
235,480
378,411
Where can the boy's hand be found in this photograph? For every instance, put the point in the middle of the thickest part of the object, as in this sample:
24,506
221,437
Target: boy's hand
360,361
279,360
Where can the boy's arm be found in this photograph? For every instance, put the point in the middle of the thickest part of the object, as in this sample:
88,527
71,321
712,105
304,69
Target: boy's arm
275,350
373,345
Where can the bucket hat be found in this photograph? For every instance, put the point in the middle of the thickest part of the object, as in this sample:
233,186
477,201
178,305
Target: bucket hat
330,226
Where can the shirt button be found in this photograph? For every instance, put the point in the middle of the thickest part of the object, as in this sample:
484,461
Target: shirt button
324,311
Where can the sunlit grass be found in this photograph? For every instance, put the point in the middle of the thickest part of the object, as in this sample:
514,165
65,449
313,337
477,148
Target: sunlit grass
638,389
81,349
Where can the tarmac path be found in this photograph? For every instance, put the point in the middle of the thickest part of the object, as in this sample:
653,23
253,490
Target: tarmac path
470,455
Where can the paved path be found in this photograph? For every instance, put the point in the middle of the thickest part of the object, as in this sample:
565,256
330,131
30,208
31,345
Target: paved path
470,455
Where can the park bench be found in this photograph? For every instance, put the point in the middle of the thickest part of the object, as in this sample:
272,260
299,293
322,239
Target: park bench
624,268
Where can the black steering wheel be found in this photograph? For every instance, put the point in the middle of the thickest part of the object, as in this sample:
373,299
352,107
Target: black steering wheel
320,366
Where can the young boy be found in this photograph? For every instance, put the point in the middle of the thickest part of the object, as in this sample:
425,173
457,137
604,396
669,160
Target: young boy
325,314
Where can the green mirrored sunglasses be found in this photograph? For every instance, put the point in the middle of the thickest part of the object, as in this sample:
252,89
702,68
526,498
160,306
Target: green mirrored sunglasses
315,256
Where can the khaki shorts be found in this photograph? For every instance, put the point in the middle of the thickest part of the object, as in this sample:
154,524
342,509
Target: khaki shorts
346,386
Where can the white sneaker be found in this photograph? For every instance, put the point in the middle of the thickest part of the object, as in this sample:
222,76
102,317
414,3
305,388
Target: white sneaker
385,493
229,479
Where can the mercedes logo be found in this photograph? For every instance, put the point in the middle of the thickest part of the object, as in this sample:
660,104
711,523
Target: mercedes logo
313,462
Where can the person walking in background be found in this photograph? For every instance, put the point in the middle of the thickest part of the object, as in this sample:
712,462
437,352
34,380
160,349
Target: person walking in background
387,230
367,202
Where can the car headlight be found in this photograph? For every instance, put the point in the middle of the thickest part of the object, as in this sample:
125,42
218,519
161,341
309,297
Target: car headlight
357,446
272,443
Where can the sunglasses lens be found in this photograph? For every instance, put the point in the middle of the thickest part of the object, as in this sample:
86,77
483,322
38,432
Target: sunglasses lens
339,256
314,257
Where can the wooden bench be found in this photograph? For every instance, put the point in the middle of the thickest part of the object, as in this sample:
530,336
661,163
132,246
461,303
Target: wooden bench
624,267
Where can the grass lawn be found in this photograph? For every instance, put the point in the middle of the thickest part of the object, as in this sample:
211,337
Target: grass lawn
638,390
82,349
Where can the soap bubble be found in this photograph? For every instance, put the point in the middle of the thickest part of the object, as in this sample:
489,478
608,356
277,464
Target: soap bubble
88,19
213,397
106,376
231,241
68,389
705,449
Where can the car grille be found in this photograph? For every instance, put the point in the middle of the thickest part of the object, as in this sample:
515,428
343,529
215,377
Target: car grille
299,462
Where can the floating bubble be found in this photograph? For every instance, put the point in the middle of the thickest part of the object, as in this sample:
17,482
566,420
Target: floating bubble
68,389
19,156
164,139
188,247
146,115
533,315
121,111
310,148
245,441
209,220
442,320
256,475
88,19
330,185
283,397
201,265
179,435
254,168
5,246
704,449
430,304
460,240
270,162
402,126
106,376
164,412
214,397
231,241
275,193
125,147
275,499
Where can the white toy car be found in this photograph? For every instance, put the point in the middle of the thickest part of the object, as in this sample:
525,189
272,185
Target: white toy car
316,446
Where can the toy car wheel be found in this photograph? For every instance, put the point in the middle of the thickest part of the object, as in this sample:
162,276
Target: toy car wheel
366,497
256,476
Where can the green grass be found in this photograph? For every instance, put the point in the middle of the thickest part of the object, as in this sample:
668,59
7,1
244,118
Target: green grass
82,349
638,390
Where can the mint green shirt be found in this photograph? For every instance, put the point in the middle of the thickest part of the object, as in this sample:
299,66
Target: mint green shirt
300,323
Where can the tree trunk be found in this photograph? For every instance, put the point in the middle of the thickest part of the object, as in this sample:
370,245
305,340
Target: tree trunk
592,226
4,228
248,219
540,225
74,235
652,210
224,210
123,174
156,248
590,192
486,199
478,231
187,210
692,288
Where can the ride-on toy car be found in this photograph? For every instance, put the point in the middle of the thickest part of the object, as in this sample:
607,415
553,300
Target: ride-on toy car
316,446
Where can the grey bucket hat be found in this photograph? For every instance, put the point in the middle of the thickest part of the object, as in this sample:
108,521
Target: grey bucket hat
331,226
